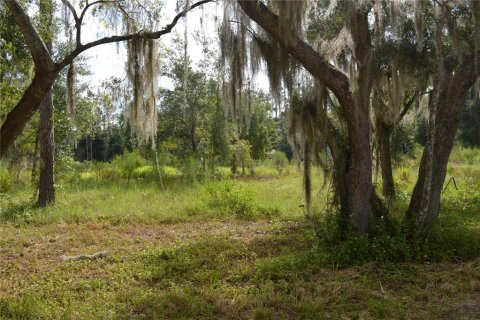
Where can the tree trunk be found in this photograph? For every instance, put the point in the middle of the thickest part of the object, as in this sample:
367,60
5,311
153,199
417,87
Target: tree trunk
359,177
452,88
46,188
384,135
35,159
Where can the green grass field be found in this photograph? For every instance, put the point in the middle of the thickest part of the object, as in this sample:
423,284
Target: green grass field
236,249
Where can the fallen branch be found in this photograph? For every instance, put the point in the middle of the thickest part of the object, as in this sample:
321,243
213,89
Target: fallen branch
94,256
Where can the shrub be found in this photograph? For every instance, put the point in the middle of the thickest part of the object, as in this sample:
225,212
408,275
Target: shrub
279,160
144,172
227,198
65,167
127,163
241,156
109,173
465,155
384,247
450,239
5,180
230,199
19,308
190,169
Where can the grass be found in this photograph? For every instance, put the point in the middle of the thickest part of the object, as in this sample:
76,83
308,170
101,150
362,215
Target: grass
180,253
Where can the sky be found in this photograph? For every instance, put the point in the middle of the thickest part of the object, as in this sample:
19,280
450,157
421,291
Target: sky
109,60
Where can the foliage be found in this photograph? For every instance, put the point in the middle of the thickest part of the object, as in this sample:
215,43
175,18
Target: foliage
240,155
468,156
260,127
20,308
403,142
128,163
227,198
190,169
382,246
279,161
281,142
170,263
5,180
470,121
219,138
421,132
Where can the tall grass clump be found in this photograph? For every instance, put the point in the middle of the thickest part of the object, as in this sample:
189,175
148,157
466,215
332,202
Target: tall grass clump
279,161
5,180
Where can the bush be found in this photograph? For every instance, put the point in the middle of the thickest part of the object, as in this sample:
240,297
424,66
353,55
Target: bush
144,172
5,180
230,199
109,173
227,198
450,239
279,160
127,163
65,167
20,308
190,170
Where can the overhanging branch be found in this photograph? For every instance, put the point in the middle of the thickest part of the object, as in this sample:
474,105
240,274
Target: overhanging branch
138,35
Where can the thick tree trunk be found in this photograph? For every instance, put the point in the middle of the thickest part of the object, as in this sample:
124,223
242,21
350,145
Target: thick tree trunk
384,135
353,182
452,88
359,178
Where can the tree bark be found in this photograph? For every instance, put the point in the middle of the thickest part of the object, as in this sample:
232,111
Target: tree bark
46,187
384,135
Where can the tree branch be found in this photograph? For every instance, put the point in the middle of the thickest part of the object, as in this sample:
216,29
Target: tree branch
72,10
138,35
316,64
46,70
78,22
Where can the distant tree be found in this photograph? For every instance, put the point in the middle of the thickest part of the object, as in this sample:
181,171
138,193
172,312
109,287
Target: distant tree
261,124
241,156
421,132
219,138
282,144
470,121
